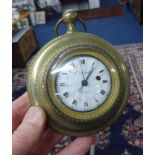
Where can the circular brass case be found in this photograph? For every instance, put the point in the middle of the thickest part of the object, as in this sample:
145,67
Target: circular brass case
41,84
96,113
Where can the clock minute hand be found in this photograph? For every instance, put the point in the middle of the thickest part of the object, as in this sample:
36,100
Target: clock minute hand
89,73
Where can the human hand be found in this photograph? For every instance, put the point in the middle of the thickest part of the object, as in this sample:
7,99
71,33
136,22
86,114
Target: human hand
31,136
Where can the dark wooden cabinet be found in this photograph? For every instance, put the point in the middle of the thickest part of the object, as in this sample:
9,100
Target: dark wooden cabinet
137,7
24,43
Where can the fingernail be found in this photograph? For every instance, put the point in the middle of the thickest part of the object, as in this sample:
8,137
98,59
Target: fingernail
35,115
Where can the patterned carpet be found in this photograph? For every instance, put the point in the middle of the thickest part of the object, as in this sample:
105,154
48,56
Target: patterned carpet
125,137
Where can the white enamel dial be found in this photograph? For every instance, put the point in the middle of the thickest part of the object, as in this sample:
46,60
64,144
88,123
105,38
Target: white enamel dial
83,83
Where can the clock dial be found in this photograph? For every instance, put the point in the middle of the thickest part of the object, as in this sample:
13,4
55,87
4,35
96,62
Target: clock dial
83,83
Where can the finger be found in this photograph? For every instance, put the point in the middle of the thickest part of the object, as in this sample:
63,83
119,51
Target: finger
29,132
48,140
19,108
79,146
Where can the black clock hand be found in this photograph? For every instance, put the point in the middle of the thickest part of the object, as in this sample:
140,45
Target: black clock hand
89,73
82,71
80,89
91,70
84,81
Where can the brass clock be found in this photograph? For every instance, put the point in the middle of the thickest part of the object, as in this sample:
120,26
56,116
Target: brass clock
79,79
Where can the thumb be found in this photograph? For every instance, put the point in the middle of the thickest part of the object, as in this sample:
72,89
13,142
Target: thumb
29,132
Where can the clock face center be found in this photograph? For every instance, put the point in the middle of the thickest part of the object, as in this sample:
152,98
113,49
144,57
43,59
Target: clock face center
83,83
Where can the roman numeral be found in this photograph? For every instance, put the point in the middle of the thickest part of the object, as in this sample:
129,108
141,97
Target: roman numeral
96,100
73,65
104,81
66,94
74,102
85,104
93,64
62,84
82,61
101,71
102,92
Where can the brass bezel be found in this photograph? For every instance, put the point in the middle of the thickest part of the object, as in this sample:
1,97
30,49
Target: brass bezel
96,113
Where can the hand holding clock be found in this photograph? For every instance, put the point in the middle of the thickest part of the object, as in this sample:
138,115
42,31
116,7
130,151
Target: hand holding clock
32,136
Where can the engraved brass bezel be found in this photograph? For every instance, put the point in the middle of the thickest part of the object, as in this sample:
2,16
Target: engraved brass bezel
93,114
